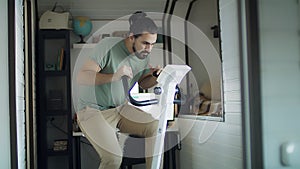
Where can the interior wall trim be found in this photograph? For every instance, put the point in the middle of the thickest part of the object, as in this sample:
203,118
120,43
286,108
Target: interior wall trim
29,89
186,42
12,84
164,37
168,38
250,90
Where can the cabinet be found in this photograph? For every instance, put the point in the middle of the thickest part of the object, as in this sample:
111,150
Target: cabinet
54,111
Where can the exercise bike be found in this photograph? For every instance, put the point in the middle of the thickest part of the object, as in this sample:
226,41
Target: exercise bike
162,101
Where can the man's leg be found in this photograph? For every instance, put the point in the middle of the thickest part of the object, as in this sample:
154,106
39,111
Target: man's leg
102,136
135,121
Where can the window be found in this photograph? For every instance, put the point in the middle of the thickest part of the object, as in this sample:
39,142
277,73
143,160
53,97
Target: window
192,37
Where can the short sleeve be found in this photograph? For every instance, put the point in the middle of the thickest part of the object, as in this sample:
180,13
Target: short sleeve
101,51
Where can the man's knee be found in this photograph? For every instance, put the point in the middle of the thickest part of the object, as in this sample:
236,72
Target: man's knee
152,128
110,161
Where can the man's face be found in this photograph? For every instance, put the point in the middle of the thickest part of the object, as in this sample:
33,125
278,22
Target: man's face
143,45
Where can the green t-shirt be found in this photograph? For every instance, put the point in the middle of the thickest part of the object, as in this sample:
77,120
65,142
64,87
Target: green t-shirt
110,54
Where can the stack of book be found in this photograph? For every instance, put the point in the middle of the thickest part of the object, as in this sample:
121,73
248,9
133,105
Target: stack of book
60,145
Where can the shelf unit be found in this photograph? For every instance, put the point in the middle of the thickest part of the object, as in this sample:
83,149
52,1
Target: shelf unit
54,111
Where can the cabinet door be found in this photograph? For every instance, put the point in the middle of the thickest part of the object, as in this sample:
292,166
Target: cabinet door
56,92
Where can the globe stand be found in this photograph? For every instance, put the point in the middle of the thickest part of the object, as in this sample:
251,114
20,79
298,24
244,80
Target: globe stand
81,39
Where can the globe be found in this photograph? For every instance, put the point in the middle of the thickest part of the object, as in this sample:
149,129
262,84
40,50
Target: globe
82,26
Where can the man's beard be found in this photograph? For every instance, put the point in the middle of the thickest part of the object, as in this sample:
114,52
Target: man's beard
140,55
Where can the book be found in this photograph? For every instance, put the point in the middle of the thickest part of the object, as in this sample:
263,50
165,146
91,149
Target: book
60,60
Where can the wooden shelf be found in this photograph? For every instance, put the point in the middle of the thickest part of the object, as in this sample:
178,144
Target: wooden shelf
84,45
92,45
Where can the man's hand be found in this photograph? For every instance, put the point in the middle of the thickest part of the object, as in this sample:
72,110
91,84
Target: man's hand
149,80
155,71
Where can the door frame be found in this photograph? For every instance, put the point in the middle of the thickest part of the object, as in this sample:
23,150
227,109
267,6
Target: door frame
250,84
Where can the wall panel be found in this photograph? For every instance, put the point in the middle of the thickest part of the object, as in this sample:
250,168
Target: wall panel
223,145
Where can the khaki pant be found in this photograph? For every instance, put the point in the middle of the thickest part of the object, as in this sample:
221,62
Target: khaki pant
100,128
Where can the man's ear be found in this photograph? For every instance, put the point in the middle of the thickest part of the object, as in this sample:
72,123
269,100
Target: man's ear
131,37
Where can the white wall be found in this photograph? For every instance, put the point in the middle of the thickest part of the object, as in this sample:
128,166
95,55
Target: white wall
280,76
4,102
211,144
206,61
104,9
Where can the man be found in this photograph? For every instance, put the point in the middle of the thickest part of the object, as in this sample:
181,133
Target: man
102,103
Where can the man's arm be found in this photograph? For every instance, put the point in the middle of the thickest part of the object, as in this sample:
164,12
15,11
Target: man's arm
90,74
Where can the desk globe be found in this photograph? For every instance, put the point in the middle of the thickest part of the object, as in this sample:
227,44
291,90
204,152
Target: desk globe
82,26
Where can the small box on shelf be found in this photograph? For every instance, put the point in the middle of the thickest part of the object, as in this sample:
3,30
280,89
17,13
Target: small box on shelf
50,67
